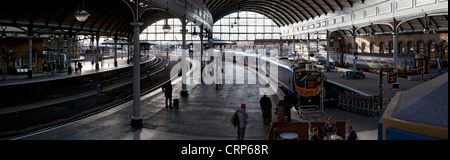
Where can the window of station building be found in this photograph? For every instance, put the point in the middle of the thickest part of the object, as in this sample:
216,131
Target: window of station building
401,48
391,48
250,26
382,48
372,48
432,49
411,49
421,48
350,48
363,47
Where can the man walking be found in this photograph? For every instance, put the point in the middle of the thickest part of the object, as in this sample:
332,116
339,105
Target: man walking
243,120
266,107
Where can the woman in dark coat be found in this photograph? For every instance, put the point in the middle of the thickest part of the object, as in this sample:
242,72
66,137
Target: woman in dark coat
167,89
266,107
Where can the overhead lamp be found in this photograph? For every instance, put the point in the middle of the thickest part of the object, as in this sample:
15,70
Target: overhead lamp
428,25
195,34
166,27
81,14
3,33
372,31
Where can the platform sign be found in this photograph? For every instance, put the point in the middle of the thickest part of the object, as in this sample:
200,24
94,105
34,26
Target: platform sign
309,67
392,77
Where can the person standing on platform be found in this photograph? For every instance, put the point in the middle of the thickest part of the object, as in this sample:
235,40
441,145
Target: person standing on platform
4,67
80,66
281,116
243,121
168,89
289,102
266,107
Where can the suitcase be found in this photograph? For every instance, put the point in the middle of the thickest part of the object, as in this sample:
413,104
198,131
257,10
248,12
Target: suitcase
176,103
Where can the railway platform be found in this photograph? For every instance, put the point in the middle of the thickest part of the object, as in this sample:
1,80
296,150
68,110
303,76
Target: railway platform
420,113
203,115
87,69
369,86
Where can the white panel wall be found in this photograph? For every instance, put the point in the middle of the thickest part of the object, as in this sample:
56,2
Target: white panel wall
373,11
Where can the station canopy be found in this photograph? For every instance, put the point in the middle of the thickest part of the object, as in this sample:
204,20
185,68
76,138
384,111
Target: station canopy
107,17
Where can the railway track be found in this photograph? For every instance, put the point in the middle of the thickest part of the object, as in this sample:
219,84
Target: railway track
42,99
22,123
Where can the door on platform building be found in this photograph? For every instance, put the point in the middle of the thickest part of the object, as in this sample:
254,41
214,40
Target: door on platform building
444,47
407,66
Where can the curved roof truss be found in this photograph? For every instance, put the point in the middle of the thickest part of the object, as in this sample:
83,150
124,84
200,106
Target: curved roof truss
287,11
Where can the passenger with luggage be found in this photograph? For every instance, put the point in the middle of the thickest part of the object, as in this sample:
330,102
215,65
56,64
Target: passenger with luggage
168,89
243,121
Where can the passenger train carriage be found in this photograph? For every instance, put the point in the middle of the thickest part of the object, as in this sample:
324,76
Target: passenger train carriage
407,64
301,80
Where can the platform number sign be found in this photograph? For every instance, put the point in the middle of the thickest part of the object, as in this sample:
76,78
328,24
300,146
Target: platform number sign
309,67
392,77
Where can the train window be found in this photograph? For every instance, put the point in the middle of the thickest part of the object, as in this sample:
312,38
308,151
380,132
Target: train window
300,79
311,83
308,79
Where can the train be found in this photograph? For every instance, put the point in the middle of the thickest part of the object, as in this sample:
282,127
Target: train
406,65
301,80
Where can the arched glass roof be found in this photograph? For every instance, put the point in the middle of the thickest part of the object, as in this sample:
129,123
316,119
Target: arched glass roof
245,26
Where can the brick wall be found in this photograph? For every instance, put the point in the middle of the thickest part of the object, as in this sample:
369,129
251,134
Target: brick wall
20,46
415,39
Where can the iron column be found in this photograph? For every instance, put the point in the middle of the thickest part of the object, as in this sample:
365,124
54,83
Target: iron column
30,56
328,48
354,48
116,38
136,119
309,48
395,36
184,91
70,41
